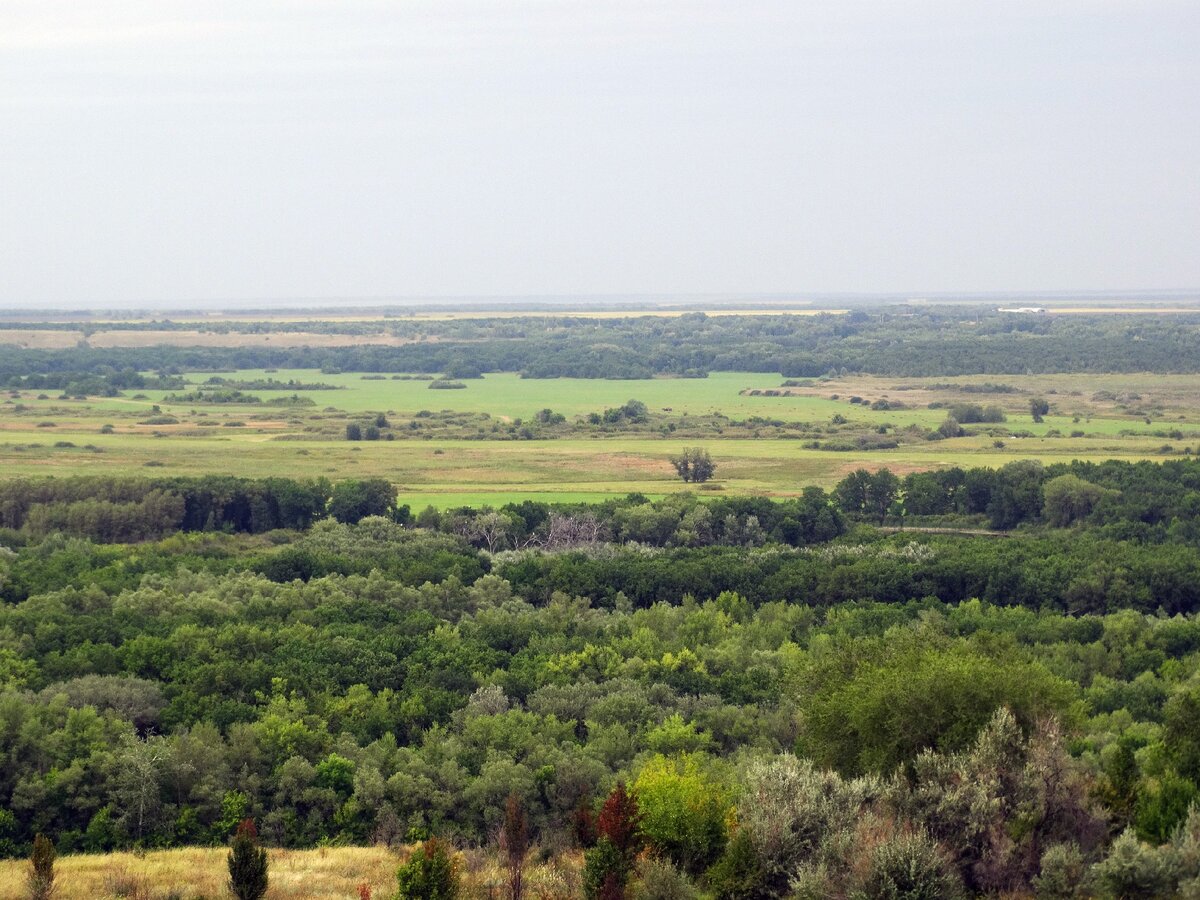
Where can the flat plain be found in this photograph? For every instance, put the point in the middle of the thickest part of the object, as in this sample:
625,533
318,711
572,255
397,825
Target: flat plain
738,416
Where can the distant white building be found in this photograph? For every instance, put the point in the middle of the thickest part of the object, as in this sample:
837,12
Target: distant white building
1022,309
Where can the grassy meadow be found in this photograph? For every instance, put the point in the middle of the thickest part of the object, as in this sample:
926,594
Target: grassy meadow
328,873
1091,419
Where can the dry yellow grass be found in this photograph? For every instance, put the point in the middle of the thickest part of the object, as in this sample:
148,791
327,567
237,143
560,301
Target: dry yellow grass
200,872
333,873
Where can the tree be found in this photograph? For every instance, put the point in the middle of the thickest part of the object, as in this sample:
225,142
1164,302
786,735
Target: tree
40,879
682,810
354,432
1068,498
353,500
608,864
1038,407
247,864
139,766
514,844
694,464
429,874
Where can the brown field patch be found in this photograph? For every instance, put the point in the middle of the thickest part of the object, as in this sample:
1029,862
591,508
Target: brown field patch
286,339
37,339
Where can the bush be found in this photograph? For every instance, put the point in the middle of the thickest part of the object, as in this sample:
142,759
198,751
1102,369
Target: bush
908,867
431,873
1062,873
657,879
1133,869
40,880
739,873
247,864
605,871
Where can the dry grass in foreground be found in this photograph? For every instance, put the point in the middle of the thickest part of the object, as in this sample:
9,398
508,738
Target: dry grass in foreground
198,872
333,873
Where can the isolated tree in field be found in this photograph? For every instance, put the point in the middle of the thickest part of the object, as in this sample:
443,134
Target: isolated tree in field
354,432
40,880
1038,407
247,864
429,874
514,844
694,465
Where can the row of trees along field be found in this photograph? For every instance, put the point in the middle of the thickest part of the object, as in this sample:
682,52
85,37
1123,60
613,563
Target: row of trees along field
912,342
1145,501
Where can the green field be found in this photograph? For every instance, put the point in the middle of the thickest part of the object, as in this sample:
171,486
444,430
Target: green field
273,441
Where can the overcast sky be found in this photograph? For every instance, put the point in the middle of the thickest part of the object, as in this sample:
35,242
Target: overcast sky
154,151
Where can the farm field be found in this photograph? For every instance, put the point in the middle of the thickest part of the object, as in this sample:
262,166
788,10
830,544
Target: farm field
1106,415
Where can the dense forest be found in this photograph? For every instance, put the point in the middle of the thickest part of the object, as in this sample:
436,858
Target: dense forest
903,341
796,700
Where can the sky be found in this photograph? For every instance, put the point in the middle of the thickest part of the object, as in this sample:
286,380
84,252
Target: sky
164,152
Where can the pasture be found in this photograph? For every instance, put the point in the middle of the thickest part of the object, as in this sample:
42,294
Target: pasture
151,435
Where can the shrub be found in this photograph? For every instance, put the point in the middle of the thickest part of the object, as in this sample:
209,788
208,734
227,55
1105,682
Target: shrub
40,880
908,867
431,873
247,864
1062,873
789,809
514,844
1133,869
739,873
605,871
657,879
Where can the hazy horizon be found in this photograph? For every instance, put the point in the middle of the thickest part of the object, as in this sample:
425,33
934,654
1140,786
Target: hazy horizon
312,152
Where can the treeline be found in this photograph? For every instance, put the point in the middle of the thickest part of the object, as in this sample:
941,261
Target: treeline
914,342
1140,500
112,510
98,381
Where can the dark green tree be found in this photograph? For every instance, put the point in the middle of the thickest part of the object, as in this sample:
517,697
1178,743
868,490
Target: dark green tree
694,465
429,874
247,864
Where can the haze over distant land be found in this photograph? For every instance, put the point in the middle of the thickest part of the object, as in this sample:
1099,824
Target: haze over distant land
161,154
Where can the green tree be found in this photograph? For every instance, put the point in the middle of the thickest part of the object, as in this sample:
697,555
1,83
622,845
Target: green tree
694,464
354,500
683,809
430,873
247,864
1038,408
1068,498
